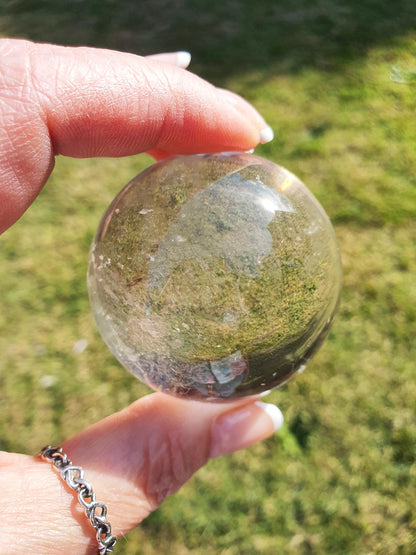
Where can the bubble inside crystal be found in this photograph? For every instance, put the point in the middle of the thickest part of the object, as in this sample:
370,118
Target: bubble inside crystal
214,276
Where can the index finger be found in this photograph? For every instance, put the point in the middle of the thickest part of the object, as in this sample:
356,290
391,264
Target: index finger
85,102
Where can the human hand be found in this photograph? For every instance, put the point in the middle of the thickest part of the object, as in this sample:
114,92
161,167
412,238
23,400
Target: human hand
85,102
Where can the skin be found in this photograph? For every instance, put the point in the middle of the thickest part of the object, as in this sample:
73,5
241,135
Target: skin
83,102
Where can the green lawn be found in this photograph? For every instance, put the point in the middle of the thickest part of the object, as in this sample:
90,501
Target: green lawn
337,82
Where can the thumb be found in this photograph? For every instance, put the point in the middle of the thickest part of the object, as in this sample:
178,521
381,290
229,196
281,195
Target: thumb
133,460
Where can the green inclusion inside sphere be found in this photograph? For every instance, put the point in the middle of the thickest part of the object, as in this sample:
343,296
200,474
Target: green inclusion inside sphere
214,276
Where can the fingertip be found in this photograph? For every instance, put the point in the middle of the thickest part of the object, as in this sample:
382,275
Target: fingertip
264,133
244,426
273,412
181,58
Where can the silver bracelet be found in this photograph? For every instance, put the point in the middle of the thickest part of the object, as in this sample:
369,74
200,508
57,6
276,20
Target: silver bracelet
74,477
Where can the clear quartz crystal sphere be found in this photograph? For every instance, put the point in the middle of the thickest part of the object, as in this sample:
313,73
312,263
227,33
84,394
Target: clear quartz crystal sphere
214,276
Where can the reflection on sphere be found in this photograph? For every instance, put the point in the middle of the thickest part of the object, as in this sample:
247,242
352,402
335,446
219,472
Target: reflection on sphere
214,276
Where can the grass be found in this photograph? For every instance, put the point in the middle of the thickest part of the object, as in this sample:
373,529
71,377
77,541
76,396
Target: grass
341,475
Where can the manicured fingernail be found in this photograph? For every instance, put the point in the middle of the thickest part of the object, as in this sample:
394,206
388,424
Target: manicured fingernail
183,59
266,135
273,412
244,426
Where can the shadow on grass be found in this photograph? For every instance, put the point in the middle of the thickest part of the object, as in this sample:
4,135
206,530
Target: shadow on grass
224,36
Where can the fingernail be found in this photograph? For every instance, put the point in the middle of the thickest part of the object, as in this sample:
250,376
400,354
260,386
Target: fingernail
266,135
242,427
183,59
273,412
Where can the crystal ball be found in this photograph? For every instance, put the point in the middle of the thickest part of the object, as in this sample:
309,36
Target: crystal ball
214,276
